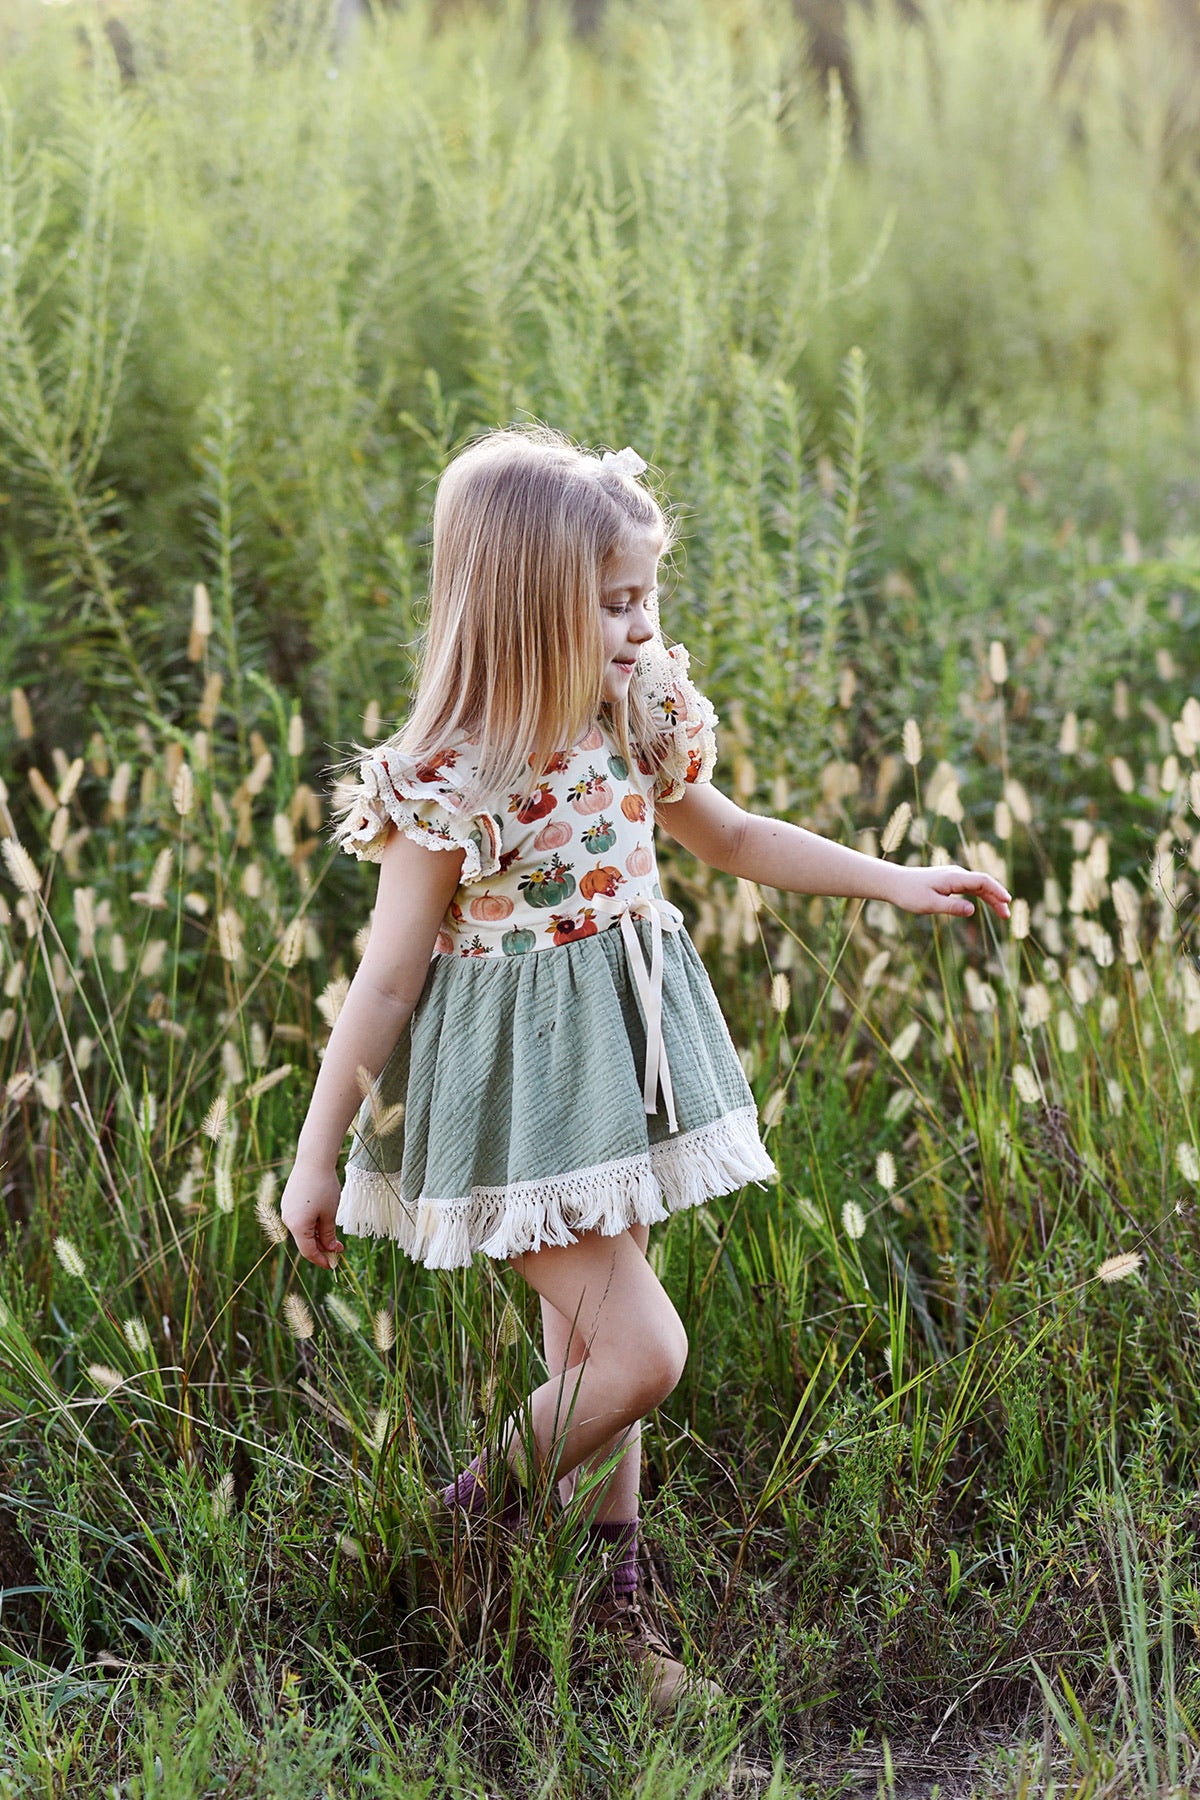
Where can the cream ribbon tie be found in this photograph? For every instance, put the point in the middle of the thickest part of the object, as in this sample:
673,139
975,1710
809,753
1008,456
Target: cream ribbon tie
649,983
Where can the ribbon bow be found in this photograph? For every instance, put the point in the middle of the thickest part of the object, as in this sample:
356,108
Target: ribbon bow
624,462
648,982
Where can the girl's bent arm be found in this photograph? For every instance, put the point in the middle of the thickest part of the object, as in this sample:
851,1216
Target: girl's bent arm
416,886
779,855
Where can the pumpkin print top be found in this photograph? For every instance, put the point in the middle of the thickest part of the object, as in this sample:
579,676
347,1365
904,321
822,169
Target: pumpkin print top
559,864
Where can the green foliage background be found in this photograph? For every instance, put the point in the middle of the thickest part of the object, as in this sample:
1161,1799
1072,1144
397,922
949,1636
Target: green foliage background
919,378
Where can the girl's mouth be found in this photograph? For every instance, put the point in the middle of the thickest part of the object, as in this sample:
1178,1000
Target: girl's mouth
626,665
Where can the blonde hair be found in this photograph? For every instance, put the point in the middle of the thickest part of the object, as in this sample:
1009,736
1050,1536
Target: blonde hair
524,524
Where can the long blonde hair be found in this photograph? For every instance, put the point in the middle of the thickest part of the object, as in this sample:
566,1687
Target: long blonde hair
524,524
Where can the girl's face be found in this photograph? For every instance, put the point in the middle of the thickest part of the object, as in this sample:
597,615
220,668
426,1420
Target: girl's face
630,578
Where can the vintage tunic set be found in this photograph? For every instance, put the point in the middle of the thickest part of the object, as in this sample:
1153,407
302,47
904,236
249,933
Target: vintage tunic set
567,1067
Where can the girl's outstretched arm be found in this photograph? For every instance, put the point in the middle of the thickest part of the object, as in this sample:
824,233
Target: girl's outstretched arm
416,886
779,855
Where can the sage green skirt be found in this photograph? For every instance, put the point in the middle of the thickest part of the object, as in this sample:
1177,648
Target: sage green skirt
511,1114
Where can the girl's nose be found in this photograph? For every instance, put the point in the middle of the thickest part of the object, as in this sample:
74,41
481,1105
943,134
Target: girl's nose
640,628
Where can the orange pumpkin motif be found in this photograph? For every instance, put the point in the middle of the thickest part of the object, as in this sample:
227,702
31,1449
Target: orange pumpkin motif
604,881
488,908
640,861
443,944
593,740
634,807
554,836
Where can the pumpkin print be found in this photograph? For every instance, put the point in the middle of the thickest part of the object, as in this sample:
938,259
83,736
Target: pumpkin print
490,907
559,763
634,807
515,943
437,764
455,916
618,768
443,944
601,880
591,795
569,930
553,836
476,947
529,807
640,861
549,884
599,837
694,766
593,740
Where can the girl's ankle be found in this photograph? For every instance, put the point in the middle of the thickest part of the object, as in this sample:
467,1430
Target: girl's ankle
487,1486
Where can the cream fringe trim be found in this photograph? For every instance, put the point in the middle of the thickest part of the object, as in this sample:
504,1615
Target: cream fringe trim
684,1170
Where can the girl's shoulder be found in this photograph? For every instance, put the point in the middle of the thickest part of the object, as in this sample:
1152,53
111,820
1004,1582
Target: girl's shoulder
682,721
431,796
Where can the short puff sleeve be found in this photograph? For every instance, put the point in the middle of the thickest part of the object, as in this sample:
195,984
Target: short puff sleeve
428,801
685,747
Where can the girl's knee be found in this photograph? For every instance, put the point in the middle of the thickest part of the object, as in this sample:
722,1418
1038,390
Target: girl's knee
659,1362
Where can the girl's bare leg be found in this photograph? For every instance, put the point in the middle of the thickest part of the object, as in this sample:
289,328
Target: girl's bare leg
565,1349
633,1350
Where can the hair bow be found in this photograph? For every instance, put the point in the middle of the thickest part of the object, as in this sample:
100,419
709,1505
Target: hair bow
624,462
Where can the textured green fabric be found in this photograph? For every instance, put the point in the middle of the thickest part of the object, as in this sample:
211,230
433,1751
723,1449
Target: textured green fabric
522,1071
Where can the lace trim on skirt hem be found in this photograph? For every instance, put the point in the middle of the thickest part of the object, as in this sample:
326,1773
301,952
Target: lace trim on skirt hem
682,1171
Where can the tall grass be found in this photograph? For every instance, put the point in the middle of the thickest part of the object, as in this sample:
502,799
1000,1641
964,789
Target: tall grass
930,1469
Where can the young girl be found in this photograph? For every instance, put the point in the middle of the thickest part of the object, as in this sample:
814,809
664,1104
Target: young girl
528,1003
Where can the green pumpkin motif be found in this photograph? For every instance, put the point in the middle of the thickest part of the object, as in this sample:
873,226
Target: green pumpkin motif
516,942
618,768
599,837
548,885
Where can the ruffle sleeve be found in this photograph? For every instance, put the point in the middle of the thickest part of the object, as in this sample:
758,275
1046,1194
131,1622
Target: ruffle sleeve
685,747
427,801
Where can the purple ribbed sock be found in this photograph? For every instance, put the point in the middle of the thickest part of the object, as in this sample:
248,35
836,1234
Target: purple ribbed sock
474,1493
617,1540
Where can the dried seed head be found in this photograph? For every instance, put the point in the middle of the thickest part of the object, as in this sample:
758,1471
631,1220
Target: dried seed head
260,774
1068,737
1028,1087
229,935
1019,921
383,1328
1122,774
1068,1037
347,1316
854,1220
201,611
231,1063
223,1496
885,1170
781,992
1002,822
905,1040
137,1336
1119,1268
70,1258
371,720
183,791
773,1108
223,1192
216,1118
106,1379
332,999
291,947
896,828
299,1319
911,742
1125,901
997,662
1037,1006
206,712
266,1082
295,736
22,718
1187,1161
284,835
20,865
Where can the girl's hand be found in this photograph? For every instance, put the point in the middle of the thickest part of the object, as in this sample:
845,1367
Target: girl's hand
944,891
309,1203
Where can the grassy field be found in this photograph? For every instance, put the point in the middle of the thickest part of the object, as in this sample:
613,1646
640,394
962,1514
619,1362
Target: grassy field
918,376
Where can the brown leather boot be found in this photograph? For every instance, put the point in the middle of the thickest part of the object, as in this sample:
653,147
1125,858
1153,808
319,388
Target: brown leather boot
631,1622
